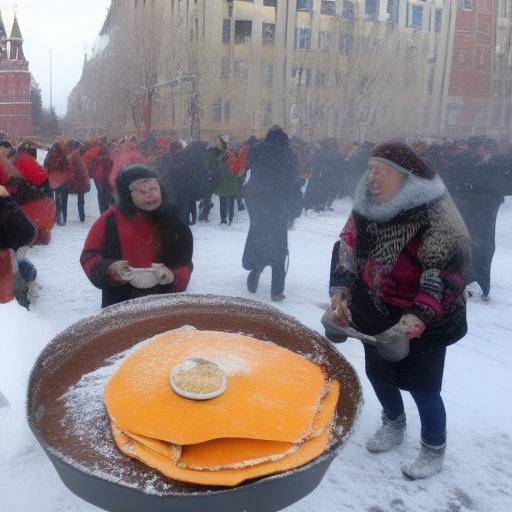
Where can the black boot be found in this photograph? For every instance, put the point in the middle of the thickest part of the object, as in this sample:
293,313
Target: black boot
253,279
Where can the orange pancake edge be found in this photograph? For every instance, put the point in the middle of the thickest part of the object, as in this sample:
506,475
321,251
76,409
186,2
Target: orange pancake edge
238,453
225,477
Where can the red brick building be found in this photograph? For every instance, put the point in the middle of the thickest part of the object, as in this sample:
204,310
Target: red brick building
470,79
15,80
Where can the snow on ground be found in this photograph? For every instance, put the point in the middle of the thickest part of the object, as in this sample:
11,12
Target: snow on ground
478,374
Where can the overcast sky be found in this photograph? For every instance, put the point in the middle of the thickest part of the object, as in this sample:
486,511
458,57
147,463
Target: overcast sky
64,26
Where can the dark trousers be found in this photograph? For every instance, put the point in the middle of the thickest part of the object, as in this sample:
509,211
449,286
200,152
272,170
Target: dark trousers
81,206
104,200
205,205
60,196
383,376
278,277
227,209
481,261
192,212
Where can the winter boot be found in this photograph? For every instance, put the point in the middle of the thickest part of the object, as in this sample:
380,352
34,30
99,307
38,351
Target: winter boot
253,279
278,298
428,463
389,435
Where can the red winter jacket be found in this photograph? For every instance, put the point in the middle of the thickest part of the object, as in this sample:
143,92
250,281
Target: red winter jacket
137,242
30,170
78,176
402,286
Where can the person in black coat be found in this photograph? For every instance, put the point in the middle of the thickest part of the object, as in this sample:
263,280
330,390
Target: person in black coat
325,182
16,231
273,200
478,182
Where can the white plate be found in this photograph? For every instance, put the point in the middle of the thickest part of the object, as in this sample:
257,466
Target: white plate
198,396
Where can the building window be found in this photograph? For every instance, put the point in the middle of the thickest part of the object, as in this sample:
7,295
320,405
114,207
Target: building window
304,5
227,112
241,71
268,34
346,44
226,31
430,83
328,7
243,31
466,5
321,78
340,81
302,38
393,9
480,118
225,69
348,10
453,115
324,40
217,110
302,77
267,114
438,20
414,16
270,3
371,9
267,74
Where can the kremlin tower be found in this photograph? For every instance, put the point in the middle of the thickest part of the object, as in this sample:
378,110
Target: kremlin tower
15,80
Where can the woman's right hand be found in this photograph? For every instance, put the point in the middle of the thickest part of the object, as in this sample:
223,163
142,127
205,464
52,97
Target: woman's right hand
119,272
340,309
4,192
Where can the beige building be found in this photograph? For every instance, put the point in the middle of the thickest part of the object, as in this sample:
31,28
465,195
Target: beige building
500,122
363,69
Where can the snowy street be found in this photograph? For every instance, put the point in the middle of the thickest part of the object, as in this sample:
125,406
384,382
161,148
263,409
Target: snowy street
477,385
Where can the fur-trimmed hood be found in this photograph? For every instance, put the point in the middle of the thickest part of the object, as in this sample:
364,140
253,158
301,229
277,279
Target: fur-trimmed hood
415,192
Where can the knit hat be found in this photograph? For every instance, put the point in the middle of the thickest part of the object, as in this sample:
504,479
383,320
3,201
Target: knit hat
126,177
403,159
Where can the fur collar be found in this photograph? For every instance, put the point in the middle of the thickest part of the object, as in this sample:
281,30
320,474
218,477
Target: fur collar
414,192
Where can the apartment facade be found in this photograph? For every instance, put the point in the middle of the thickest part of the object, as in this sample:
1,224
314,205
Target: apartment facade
318,68
352,69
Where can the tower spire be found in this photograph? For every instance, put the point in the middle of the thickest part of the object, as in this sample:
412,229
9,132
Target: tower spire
16,41
3,38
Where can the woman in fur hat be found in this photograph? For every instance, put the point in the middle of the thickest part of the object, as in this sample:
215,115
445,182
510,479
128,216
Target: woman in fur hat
142,231
400,266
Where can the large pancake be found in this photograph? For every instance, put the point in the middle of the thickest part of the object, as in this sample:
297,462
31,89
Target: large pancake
240,453
273,394
224,477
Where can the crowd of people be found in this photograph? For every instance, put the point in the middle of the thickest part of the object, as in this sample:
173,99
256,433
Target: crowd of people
399,270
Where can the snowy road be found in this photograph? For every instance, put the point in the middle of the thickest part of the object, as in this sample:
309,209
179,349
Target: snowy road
477,390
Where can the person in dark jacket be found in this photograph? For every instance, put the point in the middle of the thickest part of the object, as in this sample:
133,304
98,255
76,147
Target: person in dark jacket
273,200
326,178
16,231
142,231
177,176
478,181
400,268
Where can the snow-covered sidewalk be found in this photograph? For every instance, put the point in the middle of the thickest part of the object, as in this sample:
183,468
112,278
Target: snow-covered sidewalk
478,374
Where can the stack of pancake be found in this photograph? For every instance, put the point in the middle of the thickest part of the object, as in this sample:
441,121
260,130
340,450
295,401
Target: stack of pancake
275,415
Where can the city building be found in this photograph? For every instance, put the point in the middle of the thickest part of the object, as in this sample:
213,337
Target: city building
15,82
350,69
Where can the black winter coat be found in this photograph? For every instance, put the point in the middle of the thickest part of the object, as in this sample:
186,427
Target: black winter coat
15,229
273,199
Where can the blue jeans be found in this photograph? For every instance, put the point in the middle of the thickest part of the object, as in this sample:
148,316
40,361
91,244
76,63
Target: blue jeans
383,378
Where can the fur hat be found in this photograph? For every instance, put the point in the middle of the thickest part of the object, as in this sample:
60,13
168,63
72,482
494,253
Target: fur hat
126,177
403,159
